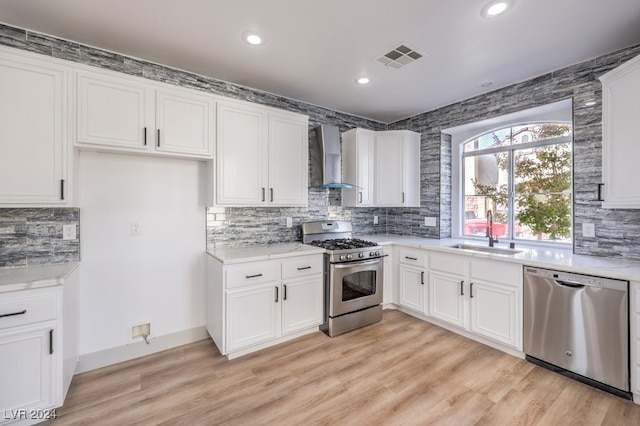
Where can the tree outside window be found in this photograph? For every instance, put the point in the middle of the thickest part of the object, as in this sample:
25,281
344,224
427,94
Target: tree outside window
523,175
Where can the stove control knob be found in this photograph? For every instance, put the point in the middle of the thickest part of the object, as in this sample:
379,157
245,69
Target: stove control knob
361,255
343,257
349,257
377,253
371,254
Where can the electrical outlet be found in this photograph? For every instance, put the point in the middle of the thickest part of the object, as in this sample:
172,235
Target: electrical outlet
430,221
135,229
289,222
69,232
141,330
375,220
588,230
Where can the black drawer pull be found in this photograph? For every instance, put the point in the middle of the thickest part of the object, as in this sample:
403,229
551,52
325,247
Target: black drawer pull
14,314
304,267
51,342
422,278
461,288
411,258
253,276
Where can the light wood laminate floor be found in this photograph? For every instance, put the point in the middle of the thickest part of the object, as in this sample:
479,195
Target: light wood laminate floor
401,371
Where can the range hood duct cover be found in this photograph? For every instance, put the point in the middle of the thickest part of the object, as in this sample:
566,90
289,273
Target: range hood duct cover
325,158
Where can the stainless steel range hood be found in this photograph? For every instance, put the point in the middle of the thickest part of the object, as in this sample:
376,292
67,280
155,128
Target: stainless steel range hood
326,167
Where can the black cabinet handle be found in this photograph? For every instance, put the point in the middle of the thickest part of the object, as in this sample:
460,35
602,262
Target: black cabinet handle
403,198
262,194
276,294
360,196
24,311
471,290
411,258
253,276
304,267
461,288
284,292
158,137
600,185
145,136
62,189
422,277
271,195
51,342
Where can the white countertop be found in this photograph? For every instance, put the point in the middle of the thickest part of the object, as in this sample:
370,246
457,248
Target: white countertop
543,257
14,279
230,255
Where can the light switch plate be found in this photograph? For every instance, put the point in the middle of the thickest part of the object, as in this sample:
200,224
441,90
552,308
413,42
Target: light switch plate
588,230
375,220
289,222
69,232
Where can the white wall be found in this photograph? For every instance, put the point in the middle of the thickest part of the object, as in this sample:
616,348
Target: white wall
156,277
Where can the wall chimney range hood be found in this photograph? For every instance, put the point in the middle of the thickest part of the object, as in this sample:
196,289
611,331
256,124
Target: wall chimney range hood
325,158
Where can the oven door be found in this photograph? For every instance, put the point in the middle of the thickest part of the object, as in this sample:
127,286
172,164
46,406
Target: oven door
354,286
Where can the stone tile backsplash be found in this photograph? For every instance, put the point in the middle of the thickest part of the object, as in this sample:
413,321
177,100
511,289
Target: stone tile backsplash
617,231
30,237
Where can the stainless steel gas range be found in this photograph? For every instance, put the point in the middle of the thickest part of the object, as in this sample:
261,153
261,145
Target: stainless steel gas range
353,271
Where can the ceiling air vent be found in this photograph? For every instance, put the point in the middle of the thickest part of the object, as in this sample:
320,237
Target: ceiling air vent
400,56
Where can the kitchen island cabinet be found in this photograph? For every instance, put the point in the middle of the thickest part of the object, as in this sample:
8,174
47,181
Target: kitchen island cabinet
255,304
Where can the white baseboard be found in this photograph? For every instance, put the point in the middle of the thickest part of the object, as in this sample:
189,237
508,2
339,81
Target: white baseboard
95,360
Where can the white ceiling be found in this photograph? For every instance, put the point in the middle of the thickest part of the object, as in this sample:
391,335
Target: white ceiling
315,50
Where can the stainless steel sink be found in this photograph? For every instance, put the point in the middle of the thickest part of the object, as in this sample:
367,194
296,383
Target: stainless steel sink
486,249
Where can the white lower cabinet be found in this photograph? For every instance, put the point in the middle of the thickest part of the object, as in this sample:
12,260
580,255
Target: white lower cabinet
634,341
253,305
412,279
389,295
479,295
38,350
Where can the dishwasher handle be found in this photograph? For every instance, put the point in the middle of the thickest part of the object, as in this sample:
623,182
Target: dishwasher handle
571,284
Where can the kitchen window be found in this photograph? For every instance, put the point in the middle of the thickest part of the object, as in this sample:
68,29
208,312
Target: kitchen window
520,176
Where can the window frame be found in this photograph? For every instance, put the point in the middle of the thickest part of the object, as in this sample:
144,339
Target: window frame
559,111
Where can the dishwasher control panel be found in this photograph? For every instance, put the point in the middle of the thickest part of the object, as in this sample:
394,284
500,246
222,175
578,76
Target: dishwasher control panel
577,279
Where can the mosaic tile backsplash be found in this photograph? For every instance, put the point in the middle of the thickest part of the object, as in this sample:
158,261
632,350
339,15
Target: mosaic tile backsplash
30,237
617,231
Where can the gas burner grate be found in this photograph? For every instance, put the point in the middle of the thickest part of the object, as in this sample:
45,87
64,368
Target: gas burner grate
343,244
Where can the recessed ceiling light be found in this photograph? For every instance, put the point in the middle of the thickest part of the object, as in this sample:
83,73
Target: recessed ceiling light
252,38
496,7
363,80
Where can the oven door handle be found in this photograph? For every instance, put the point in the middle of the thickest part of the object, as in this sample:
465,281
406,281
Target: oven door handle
357,263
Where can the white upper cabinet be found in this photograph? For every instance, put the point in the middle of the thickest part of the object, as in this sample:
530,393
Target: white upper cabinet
385,167
261,156
358,157
621,136
35,156
123,113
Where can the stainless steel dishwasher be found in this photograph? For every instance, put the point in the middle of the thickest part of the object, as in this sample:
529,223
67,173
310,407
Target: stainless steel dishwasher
578,325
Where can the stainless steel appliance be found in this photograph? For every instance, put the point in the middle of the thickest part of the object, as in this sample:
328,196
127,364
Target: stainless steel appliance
353,271
578,325
325,158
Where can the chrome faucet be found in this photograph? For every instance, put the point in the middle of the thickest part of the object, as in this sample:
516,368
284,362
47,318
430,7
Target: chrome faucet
492,239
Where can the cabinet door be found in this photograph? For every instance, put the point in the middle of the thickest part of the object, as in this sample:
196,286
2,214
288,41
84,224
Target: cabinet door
389,188
114,111
33,123
252,315
411,168
358,165
27,368
185,123
411,288
446,298
288,160
495,312
241,175
621,134
302,304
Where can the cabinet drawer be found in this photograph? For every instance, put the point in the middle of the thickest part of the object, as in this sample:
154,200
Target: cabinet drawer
497,272
26,310
449,263
300,266
252,273
411,256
